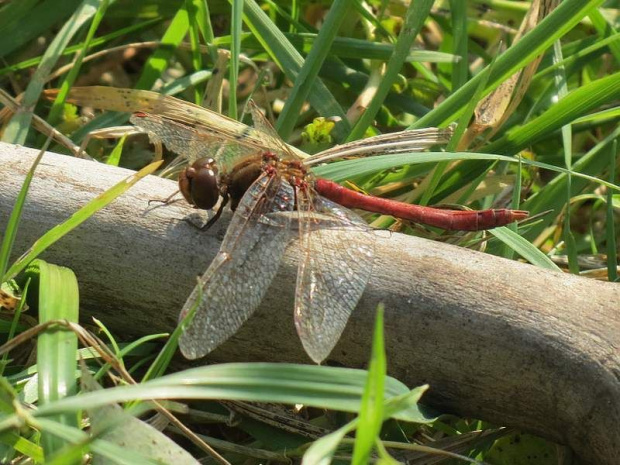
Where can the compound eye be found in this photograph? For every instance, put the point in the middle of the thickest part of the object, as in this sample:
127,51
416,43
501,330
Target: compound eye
199,183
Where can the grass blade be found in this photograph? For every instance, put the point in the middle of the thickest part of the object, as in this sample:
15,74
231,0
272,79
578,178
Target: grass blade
235,50
577,103
12,226
524,248
56,348
157,62
25,20
348,169
57,106
119,427
566,16
290,61
18,127
57,232
414,20
311,67
458,13
371,412
196,24
325,387
612,257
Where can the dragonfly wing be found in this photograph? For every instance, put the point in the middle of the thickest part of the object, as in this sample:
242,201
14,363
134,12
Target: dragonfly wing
271,138
194,142
236,281
334,269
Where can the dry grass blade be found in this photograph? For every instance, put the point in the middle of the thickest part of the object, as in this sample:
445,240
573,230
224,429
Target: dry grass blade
9,302
458,444
277,416
213,95
232,448
12,105
493,111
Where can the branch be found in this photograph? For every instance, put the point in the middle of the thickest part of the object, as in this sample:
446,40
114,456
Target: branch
496,339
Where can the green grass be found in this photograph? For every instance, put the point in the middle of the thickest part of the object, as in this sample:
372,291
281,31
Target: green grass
375,70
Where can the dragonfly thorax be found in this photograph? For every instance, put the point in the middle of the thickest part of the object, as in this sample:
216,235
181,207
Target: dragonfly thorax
235,184
238,181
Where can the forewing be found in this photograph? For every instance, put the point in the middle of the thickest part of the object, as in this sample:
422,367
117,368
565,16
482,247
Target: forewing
272,139
194,142
236,281
336,262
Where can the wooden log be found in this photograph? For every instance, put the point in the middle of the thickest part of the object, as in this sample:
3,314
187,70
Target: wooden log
496,339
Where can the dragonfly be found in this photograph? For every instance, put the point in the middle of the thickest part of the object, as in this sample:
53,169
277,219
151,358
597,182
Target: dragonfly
276,199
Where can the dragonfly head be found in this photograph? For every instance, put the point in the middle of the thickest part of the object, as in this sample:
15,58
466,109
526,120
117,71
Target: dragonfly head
199,183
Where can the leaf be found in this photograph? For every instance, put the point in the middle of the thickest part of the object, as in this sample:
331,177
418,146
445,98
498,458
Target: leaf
524,248
371,412
56,347
319,386
18,127
116,426
59,231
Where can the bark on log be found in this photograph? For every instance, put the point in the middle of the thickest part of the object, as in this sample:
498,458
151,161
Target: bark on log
496,339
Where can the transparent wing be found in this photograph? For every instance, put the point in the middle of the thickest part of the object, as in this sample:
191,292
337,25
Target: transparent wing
415,140
272,138
194,142
337,258
236,281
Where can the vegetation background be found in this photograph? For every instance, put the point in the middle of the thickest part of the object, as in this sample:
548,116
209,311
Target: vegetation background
534,87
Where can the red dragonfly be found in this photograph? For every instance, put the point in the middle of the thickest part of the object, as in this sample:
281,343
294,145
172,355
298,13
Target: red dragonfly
275,199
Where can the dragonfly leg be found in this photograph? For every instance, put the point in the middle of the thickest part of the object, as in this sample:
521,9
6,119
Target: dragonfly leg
167,201
217,215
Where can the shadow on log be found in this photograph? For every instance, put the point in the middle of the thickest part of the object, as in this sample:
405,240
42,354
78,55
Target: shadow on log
496,339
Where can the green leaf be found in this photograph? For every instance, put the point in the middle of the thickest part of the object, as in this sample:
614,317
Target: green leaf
196,10
22,445
566,16
344,47
18,127
289,60
414,20
512,449
59,231
26,20
552,195
115,156
56,347
312,65
12,226
157,62
577,103
58,105
116,426
371,412
524,248
343,170
324,387
322,450
115,454
611,236
101,40
235,51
